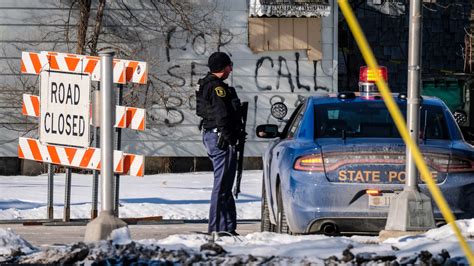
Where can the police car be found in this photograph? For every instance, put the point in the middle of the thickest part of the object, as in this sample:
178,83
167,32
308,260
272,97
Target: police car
339,161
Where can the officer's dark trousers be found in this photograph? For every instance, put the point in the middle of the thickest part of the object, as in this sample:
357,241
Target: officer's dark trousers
222,214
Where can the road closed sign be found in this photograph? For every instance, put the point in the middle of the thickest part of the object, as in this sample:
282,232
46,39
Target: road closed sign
64,112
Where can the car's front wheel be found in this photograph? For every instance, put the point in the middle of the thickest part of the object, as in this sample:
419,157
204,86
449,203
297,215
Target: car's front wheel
282,224
265,224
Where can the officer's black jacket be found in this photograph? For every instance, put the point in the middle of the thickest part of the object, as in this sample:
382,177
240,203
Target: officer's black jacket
219,107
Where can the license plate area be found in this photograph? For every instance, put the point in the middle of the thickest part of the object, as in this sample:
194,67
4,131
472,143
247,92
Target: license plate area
380,201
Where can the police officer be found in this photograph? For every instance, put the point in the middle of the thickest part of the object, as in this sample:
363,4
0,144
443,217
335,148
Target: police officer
219,107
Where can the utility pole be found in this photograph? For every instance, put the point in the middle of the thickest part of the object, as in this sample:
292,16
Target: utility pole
101,227
411,210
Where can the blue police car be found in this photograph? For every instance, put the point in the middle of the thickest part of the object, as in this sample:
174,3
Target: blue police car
339,161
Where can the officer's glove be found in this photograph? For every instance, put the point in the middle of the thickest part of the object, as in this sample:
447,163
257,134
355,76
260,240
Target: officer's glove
227,137
243,135
242,138
233,141
222,143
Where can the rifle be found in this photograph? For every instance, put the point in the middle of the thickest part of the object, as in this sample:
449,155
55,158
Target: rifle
240,148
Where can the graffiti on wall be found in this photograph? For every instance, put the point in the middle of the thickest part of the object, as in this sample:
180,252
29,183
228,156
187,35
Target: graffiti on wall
173,101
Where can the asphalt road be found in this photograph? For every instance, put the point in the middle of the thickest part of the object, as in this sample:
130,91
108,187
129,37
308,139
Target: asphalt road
61,234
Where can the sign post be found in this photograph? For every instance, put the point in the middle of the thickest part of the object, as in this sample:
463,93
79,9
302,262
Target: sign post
107,131
95,178
95,173
119,147
50,191
101,227
67,195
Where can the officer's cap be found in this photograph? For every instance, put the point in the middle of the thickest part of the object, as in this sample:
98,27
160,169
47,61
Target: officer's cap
218,61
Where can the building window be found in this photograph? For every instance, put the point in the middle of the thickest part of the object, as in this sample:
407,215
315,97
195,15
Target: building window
279,25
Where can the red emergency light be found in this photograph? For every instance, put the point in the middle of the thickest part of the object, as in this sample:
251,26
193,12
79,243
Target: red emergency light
368,75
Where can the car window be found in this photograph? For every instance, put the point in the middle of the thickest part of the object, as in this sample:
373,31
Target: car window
372,120
435,125
295,124
290,123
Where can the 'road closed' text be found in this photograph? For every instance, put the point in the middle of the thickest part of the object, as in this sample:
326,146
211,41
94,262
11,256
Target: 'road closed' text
70,125
65,109
65,93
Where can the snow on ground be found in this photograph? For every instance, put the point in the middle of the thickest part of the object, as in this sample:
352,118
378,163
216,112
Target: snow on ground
319,247
264,247
186,196
173,196
9,241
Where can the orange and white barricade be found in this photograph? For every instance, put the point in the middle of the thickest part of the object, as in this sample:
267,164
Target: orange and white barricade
87,158
125,117
133,164
124,70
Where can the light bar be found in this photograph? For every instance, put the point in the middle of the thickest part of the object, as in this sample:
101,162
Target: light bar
368,75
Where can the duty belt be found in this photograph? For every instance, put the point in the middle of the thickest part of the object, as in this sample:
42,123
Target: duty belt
214,130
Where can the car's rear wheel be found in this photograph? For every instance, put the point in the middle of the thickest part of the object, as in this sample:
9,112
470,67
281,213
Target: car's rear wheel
265,224
282,224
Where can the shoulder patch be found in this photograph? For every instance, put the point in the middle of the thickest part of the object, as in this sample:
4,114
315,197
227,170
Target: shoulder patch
220,91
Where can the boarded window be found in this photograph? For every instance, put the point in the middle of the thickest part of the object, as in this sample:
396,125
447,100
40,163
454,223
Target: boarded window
277,34
289,8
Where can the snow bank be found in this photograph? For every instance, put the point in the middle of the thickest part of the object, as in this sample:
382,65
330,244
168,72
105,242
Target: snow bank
12,244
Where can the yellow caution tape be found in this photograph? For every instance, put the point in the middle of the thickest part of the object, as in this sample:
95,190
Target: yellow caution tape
401,126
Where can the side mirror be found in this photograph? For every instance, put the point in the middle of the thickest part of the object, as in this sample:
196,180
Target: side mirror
468,134
279,110
267,131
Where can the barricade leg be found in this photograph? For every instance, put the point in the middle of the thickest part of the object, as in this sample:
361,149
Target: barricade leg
67,195
50,191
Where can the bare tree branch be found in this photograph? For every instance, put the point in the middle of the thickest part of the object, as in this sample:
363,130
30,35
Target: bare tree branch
68,21
97,28
133,28
84,9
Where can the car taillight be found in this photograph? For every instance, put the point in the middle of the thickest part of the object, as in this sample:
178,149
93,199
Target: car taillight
313,162
460,165
450,165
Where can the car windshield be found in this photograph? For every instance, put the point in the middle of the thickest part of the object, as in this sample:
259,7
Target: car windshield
372,120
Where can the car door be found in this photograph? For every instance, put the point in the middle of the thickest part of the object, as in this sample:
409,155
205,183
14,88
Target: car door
274,155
